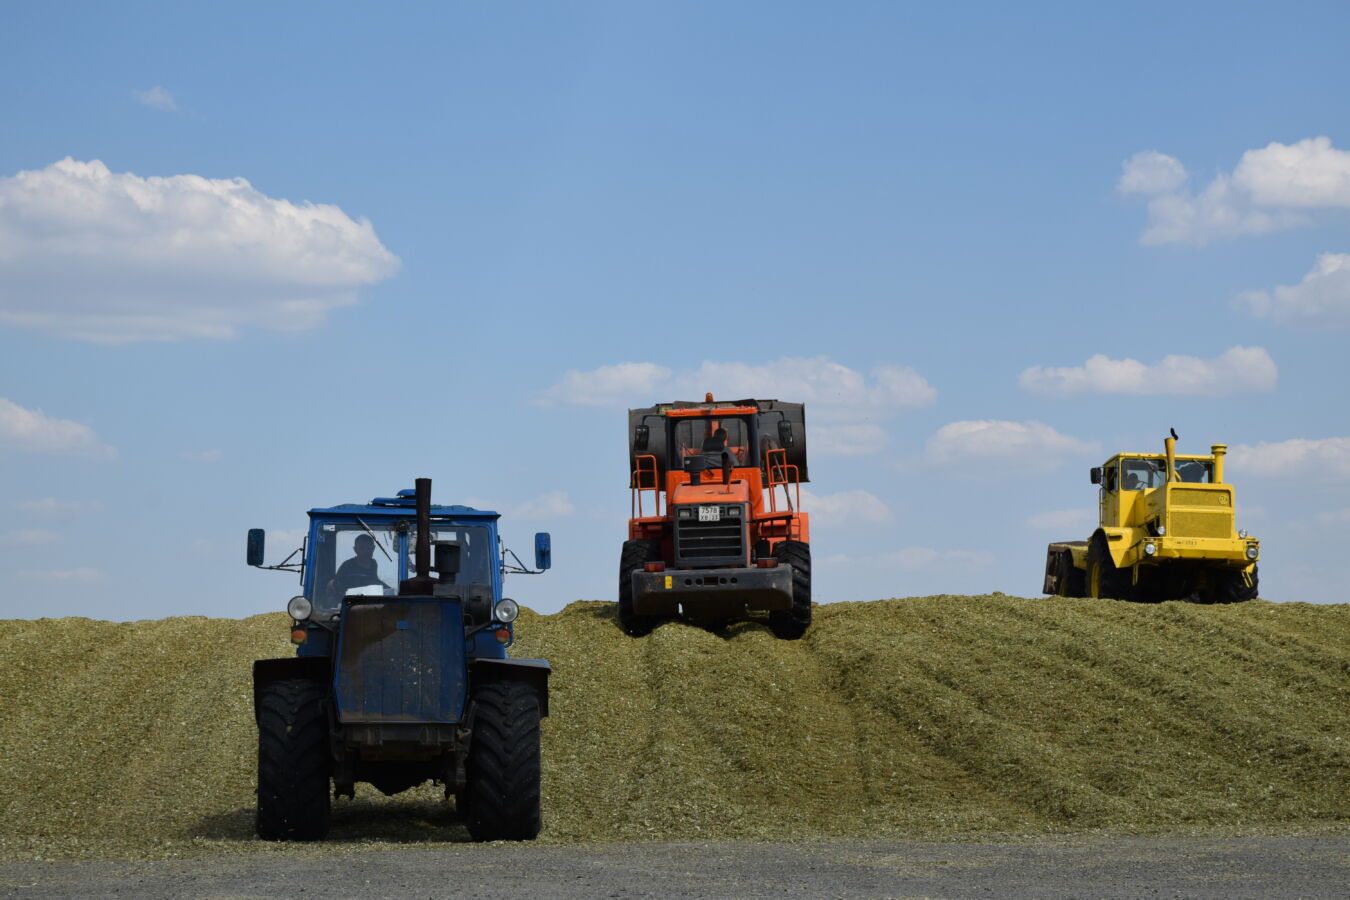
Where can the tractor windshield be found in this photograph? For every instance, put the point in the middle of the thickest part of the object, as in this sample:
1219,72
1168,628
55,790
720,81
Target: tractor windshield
1142,474
710,435
351,557
476,556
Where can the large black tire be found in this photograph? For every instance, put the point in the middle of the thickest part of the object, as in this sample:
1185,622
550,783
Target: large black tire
1070,579
1103,579
791,624
293,761
501,796
635,555
1228,586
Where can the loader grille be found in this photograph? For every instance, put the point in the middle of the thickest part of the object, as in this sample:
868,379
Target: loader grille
1192,497
401,660
710,543
1201,523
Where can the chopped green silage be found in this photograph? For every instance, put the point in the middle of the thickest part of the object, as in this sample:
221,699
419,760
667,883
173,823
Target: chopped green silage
911,717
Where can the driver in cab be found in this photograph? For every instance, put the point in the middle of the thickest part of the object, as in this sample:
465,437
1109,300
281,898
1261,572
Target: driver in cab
360,570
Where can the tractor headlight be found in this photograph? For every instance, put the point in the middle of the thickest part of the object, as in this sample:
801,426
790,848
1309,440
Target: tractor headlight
1242,532
1150,548
299,608
1252,551
1162,530
506,611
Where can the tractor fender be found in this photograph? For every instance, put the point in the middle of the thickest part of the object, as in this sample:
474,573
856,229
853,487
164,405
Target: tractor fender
266,671
1118,542
534,672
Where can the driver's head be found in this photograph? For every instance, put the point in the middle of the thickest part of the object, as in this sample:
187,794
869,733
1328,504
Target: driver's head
364,546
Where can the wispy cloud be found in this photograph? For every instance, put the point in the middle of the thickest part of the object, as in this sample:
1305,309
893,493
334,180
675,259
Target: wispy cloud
82,575
1272,188
1236,371
978,444
1067,520
850,402
1320,300
1314,459
548,505
35,431
203,456
50,507
845,508
30,536
157,98
114,258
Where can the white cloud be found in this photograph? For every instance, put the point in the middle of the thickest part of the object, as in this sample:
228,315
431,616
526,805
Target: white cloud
113,258
29,536
1271,188
843,398
846,508
615,385
52,508
848,440
158,98
1151,172
1310,459
82,575
549,505
1321,300
1068,520
915,558
203,456
1236,371
34,430
1032,445
1335,517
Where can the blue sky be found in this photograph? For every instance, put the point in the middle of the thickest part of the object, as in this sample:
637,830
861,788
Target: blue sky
256,258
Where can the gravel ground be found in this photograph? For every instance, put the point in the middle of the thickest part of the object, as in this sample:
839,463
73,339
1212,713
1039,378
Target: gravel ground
1096,867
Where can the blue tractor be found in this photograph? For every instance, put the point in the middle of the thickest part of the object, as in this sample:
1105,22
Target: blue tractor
400,674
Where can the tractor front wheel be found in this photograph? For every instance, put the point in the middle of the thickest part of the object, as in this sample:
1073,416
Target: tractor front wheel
501,794
1103,578
790,624
635,555
1231,586
293,761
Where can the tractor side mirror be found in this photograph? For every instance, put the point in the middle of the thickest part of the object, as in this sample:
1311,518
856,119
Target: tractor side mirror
257,538
640,437
543,547
785,433
1096,474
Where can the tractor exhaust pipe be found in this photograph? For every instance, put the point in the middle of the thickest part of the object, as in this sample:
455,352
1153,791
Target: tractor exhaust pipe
423,487
1218,450
421,584
1170,448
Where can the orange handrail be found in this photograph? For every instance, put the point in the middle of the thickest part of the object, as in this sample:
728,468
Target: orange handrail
780,472
638,485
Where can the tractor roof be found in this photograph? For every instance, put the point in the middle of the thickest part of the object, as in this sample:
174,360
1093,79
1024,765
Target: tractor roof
401,505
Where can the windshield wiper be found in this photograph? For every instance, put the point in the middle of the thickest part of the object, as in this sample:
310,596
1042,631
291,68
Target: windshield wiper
374,538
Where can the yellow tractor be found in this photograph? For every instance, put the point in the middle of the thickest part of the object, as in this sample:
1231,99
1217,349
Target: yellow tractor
1167,533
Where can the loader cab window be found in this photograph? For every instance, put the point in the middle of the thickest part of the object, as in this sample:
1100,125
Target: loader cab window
695,436
1195,471
1142,474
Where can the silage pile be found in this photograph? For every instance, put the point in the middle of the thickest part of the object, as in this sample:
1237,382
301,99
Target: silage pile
914,717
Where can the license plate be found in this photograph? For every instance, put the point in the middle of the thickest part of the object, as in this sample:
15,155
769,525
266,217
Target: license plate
710,513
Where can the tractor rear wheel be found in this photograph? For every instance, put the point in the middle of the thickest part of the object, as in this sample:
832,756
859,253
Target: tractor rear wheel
1103,578
635,555
293,761
1230,586
790,624
500,801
